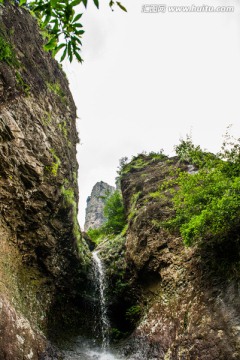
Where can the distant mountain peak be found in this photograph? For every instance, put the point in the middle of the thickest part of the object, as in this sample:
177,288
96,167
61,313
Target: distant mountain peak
94,217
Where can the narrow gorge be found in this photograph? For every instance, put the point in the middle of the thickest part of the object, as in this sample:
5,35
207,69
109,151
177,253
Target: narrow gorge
125,288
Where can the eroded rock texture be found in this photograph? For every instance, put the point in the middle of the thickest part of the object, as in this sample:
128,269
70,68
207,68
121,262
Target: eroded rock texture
42,257
191,305
95,204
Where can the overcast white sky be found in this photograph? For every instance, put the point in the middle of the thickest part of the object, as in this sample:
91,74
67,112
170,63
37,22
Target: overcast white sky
149,79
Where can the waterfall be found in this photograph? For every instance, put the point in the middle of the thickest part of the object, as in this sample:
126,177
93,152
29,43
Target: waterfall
88,349
100,281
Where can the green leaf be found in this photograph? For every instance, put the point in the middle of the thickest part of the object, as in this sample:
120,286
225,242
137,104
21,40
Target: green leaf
96,2
58,48
56,25
21,2
76,53
77,17
69,12
85,3
80,32
41,8
53,3
121,6
76,39
75,3
64,53
111,3
51,44
47,20
70,54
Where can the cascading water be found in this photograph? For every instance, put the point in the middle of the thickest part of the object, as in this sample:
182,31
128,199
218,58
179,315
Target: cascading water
83,349
100,281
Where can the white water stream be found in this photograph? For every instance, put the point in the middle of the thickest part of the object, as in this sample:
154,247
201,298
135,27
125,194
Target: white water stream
87,350
100,281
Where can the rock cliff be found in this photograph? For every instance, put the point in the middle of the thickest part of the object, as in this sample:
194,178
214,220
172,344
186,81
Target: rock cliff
95,204
42,256
190,303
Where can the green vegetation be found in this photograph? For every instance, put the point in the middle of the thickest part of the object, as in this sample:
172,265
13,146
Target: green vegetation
112,252
53,168
207,202
7,55
63,128
56,89
24,86
114,214
6,52
96,235
69,199
47,118
133,210
115,218
60,20
134,313
139,162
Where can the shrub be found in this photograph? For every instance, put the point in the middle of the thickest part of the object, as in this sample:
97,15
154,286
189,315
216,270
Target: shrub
114,214
207,203
95,234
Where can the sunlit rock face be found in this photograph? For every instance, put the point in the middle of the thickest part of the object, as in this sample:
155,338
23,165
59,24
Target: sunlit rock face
95,204
190,302
40,240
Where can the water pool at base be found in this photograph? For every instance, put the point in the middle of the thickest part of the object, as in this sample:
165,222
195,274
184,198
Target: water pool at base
86,350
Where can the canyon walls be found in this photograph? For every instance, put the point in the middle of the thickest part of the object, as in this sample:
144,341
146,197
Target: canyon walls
43,260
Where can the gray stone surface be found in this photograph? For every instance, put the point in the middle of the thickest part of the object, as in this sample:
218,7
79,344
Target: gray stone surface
95,203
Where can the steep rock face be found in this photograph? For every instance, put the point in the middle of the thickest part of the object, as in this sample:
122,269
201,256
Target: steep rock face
191,307
95,204
42,256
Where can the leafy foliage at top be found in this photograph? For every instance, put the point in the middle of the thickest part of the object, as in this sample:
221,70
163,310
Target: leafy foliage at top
62,21
193,154
207,202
